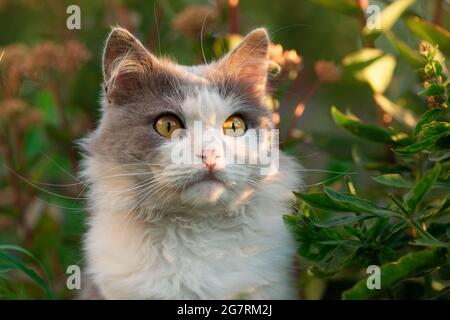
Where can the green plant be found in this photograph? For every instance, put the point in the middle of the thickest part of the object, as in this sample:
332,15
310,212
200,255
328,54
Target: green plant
10,262
405,231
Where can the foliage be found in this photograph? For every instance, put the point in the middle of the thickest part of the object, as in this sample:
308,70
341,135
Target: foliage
405,231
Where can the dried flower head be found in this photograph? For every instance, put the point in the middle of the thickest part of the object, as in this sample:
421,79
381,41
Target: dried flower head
11,68
16,112
327,71
20,62
193,19
29,119
27,3
11,108
288,60
48,56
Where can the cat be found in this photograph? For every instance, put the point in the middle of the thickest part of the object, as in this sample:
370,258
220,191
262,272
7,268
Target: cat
210,229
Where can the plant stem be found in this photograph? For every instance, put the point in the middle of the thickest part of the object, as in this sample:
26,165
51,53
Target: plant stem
298,111
410,219
233,21
362,5
437,17
428,288
419,229
56,90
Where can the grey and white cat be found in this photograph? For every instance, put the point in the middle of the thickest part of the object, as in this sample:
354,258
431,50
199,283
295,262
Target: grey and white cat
211,229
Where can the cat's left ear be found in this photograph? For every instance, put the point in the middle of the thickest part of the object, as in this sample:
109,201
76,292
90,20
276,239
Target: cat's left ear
249,61
127,64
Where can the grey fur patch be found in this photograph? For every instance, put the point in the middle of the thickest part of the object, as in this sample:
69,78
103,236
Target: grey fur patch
140,88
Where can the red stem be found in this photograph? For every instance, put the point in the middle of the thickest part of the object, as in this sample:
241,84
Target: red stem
294,121
438,10
233,21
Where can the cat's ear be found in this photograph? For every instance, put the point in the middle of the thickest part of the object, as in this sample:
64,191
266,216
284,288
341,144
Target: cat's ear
126,64
249,61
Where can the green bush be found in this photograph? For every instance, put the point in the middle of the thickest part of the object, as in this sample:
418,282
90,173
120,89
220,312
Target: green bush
406,229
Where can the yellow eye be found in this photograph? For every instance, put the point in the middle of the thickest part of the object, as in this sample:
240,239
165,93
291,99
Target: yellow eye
234,126
166,125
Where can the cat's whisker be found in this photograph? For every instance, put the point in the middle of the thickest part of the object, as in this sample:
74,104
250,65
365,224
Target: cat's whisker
157,26
142,184
48,184
319,170
38,187
59,206
166,191
320,183
146,194
58,165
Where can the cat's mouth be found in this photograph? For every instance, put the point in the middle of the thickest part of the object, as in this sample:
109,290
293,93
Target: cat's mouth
208,177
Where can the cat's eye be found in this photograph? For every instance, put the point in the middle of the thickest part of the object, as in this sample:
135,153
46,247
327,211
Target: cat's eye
167,124
234,126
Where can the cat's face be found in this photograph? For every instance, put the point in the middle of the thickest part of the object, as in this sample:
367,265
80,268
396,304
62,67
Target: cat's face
190,136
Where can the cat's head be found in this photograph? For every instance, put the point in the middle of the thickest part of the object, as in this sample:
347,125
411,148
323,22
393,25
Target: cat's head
184,134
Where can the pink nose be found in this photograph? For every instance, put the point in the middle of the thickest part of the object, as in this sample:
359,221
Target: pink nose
209,158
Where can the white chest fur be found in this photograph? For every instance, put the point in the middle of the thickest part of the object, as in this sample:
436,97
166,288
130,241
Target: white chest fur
249,254
136,261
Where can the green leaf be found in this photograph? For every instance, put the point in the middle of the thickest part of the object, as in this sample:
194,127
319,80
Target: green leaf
388,17
439,155
375,230
392,273
433,69
434,89
444,206
426,144
347,7
431,33
320,201
371,66
404,50
369,132
356,204
400,114
345,220
435,128
413,197
12,262
361,59
335,260
393,230
352,231
394,180
429,243
342,202
426,118
45,102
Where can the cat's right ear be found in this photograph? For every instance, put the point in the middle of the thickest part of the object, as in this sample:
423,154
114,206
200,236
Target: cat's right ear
126,65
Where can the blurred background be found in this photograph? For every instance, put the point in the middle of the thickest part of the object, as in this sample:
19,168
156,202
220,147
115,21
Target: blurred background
50,80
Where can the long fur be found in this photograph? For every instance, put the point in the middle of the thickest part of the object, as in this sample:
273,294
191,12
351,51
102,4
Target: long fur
150,237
